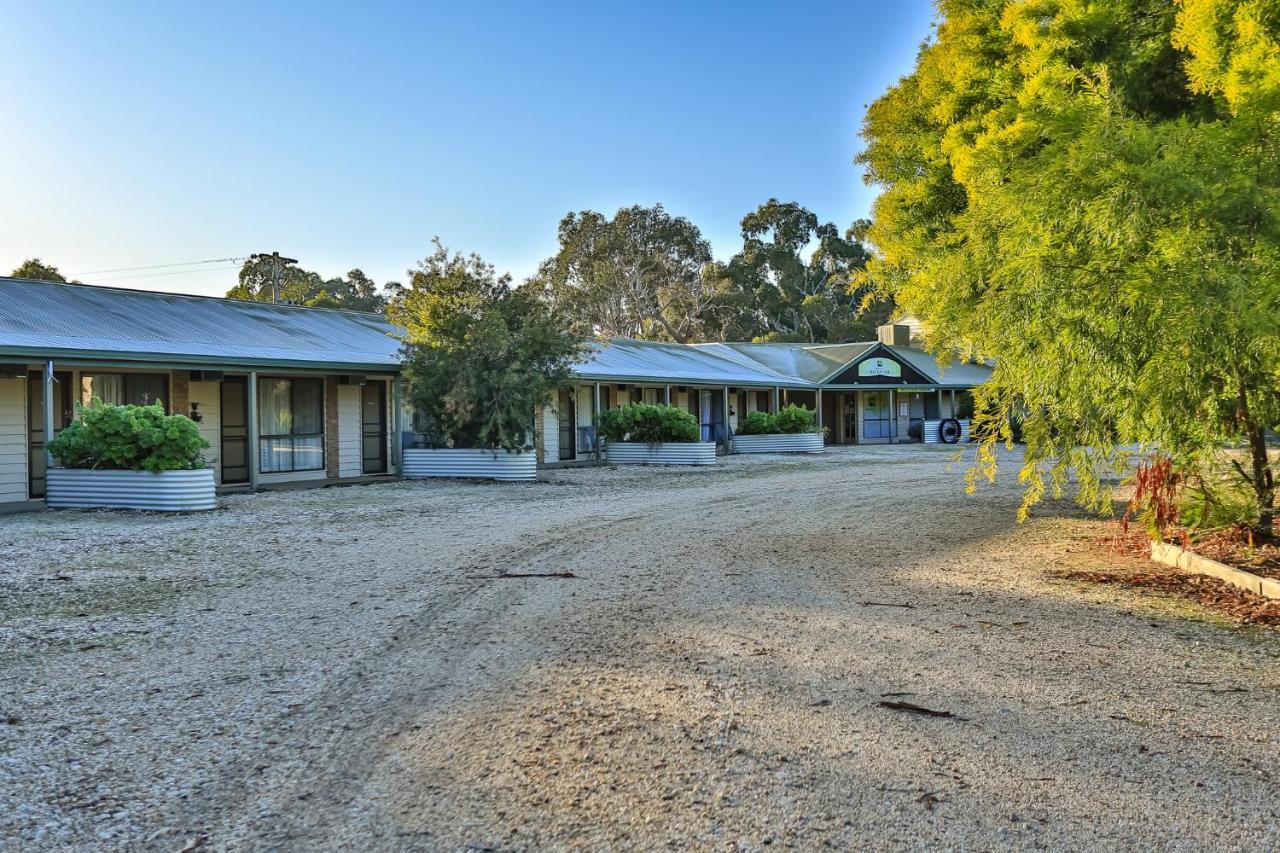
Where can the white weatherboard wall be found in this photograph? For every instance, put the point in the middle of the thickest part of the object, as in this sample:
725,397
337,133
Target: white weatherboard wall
349,428
13,440
208,397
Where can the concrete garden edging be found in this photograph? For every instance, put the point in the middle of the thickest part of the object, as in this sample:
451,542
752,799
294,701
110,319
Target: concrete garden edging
667,453
1172,555
798,442
167,491
470,463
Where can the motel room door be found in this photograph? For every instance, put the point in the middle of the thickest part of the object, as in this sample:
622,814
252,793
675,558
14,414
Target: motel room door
877,416
567,421
373,427
234,418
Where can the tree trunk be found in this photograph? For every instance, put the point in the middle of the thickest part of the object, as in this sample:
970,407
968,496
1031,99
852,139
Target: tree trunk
1261,478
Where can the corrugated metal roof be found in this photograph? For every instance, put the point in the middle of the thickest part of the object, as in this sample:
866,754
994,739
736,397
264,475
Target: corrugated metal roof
626,360
790,365
53,320
74,320
810,363
958,373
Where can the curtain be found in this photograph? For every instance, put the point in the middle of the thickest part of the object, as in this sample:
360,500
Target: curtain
291,423
107,387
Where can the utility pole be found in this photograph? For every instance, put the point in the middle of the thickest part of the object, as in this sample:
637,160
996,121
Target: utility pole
277,270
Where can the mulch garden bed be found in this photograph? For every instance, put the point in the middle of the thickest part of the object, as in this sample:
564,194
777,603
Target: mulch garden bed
1218,595
1227,547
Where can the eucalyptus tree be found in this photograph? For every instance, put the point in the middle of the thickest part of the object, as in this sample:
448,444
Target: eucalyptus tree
640,274
792,280
354,292
36,269
1089,192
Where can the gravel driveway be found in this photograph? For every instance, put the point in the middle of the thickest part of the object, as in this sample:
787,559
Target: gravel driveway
341,669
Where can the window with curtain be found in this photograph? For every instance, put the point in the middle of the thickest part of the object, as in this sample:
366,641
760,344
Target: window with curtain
291,425
120,389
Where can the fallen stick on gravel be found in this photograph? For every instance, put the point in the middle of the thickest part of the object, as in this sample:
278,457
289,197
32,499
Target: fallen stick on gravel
887,604
532,575
912,708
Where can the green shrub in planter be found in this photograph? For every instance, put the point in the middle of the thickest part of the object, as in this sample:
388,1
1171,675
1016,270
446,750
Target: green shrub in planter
651,424
132,438
795,419
759,423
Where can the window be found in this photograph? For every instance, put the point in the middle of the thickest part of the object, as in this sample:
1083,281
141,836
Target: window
120,389
291,425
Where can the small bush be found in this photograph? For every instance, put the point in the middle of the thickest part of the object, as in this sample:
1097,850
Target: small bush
642,422
131,438
794,419
759,423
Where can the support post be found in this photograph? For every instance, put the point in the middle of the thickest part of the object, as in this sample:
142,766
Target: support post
817,405
595,421
893,416
666,395
255,451
725,411
49,401
777,397
397,423
953,402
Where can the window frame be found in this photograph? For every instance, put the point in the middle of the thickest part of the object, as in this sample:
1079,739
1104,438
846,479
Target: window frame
292,436
125,377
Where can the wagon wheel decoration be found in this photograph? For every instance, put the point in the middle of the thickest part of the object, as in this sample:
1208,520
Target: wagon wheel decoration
949,431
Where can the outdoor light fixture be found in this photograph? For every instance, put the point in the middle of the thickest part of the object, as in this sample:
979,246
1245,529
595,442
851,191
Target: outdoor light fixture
195,413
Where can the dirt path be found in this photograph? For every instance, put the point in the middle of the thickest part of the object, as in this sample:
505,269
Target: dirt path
341,669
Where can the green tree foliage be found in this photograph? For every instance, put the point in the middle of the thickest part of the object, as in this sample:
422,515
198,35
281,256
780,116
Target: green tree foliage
36,269
792,281
480,356
637,275
135,438
355,292
649,423
1088,192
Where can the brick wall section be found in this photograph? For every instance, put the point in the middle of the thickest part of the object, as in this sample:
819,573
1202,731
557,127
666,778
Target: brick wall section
331,427
181,392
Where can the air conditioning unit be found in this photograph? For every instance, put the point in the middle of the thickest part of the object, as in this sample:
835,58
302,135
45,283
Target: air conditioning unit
206,376
353,379
13,371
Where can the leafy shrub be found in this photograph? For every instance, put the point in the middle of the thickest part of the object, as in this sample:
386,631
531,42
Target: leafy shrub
652,424
132,438
794,419
759,423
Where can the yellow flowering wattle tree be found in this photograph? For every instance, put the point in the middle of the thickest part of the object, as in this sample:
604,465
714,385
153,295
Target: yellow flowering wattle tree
1089,193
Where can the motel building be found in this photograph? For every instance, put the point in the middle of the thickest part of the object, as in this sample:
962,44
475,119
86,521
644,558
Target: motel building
289,396
284,395
885,391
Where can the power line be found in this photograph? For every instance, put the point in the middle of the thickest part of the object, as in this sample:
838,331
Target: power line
174,272
164,266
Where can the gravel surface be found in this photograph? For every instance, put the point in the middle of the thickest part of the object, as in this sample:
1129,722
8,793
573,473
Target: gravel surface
341,669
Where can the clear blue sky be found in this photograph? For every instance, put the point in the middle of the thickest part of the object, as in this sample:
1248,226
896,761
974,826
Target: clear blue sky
349,135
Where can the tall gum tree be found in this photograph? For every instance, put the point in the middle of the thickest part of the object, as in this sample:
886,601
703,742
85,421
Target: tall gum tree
1087,192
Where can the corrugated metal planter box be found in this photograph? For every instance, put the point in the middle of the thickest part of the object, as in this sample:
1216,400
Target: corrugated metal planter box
799,442
931,431
667,453
167,491
470,463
